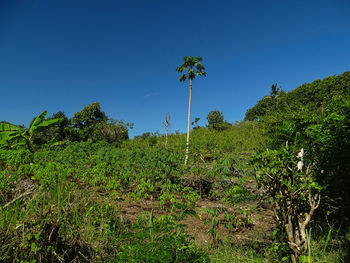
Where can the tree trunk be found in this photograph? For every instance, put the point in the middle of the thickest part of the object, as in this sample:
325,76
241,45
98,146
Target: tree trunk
166,124
166,135
296,228
293,240
188,123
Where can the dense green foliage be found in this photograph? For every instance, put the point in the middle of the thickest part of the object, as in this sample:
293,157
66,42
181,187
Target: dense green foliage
216,121
289,181
13,136
90,124
6,130
78,200
93,124
315,117
306,102
67,214
192,67
71,221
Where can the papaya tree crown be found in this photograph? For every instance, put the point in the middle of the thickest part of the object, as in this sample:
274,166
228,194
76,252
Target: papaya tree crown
192,67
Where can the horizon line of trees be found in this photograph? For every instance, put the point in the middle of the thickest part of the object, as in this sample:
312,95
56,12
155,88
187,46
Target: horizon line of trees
89,124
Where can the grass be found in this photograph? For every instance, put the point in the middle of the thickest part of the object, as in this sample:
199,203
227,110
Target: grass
60,224
327,248
236,253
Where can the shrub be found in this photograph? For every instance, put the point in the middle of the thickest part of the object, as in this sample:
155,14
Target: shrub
295,194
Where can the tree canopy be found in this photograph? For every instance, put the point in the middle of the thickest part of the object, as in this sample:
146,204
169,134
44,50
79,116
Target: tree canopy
193,68
89,116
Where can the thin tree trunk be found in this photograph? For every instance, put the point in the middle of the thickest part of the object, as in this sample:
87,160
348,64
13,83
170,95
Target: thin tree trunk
166,124
188,123
166,135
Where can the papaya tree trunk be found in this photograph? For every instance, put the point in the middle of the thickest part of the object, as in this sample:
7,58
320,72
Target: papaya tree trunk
188,124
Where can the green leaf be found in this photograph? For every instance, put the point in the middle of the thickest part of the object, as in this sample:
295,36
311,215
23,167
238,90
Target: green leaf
41,124
7,132
6,127
37,121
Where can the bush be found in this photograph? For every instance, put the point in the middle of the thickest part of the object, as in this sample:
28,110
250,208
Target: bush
290,183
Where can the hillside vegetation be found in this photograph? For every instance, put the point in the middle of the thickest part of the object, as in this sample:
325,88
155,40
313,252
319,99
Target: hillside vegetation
315,117
272,188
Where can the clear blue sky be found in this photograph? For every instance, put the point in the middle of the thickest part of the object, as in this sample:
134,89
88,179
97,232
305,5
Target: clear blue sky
64,55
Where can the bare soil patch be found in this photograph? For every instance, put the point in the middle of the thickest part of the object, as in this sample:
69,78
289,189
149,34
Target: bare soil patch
260,229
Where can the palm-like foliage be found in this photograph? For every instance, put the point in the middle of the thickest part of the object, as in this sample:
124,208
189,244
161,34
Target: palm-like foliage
6,130
192,67
13,135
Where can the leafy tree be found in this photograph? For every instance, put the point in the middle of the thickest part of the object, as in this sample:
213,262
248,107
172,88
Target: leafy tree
330,144
216,121
62,131
87,119
113,132
60,115
88,116
192,67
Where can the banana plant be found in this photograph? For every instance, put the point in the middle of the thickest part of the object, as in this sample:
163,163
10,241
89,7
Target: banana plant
6,129
11,135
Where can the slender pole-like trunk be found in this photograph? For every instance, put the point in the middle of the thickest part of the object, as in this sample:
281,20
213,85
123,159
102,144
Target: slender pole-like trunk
188,123
166,124
166,135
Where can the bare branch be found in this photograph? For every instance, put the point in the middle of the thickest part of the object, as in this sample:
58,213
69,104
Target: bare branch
28,192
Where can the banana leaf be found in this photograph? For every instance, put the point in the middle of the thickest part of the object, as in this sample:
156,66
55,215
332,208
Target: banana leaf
11,135
40,124
6,127
7,131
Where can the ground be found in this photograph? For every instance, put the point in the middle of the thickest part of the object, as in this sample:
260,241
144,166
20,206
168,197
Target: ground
260,229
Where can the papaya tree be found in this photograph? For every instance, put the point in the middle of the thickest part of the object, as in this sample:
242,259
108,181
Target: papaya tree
12,135
192,67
